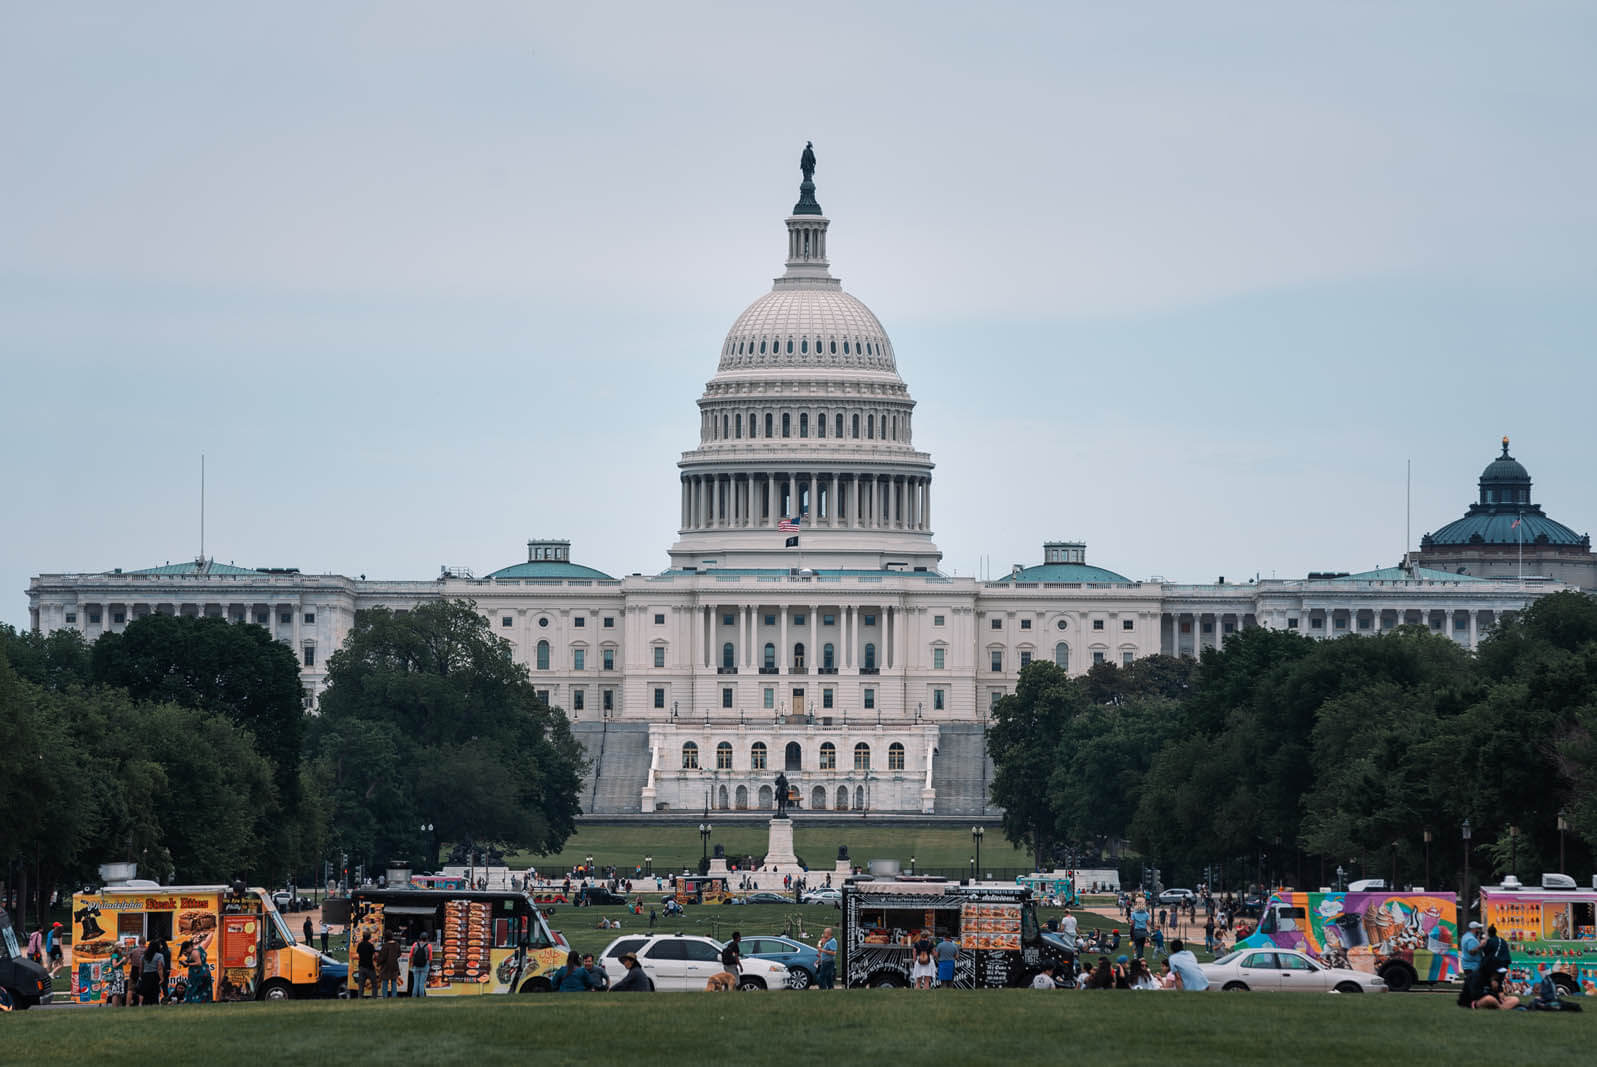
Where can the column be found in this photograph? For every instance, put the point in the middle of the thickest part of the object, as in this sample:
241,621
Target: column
928,516
781,645
1472,616
853,507
746,636
848,641
814,646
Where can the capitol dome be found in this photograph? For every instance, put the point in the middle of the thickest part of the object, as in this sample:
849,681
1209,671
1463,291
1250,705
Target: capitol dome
819,326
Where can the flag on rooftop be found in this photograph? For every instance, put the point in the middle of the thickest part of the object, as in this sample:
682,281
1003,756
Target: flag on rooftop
792,542
789,525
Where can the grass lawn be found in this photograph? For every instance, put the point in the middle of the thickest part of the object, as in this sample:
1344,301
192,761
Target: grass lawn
994,1026
677,846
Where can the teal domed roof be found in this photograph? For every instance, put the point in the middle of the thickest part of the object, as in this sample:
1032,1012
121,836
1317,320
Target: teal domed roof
549,559
1504,514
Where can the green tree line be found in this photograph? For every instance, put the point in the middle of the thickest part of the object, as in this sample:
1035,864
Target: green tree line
1282,757
183,744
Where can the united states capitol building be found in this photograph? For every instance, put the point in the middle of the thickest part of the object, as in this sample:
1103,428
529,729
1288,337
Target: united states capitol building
847,661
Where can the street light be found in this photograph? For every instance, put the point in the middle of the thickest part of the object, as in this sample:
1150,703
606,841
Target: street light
1341,879
649,863
588,870
976,833
1427,857
973,870
704,839
1563,826
1464,830
1513,851
912,865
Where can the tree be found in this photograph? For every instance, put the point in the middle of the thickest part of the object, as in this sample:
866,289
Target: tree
1023,742
428,719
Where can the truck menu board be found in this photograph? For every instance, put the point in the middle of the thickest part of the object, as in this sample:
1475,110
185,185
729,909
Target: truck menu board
989,926
466,940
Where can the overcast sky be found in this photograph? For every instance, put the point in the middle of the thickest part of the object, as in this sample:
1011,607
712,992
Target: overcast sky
1190,282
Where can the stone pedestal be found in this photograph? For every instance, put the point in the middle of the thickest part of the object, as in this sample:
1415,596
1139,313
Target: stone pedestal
718,866
779,853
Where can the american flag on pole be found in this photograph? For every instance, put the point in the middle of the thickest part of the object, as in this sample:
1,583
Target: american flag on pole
1515,524
790,525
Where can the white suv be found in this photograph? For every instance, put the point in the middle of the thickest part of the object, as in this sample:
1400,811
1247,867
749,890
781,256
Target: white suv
686,961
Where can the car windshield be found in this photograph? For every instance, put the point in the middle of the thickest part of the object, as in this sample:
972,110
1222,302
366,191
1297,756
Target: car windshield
9,949
1229,957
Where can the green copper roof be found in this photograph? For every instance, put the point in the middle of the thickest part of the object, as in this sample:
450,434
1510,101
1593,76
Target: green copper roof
1398,574
548,568
209,566
1066,572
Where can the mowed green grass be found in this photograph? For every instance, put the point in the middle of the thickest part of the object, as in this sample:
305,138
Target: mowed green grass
677,846
975,1027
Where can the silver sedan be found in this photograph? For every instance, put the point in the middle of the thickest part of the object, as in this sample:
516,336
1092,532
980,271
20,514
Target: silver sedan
1284,969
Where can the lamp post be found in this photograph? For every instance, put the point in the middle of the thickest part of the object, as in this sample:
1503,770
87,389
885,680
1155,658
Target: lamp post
587,869
648,862
1427,857
1563,827
912,865
704,839
1464,830
1393,883
976,834
427,831
973,870
1513,851
1341,879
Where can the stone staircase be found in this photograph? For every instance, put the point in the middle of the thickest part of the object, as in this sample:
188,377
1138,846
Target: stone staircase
962,771
619,752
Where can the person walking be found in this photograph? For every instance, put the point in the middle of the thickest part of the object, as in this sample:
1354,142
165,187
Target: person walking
421,958
388,966
1139,928
732,955
826,971
366,969
52,946
36,946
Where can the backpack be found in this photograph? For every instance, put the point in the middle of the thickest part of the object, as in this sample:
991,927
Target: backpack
729,956
421,955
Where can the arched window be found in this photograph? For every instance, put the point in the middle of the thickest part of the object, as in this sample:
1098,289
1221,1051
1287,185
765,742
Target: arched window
787,424
770,657
856,425
834,347
743,798
723,756
765,798
859,797
818,799
845,348
798,656
870,656
728,656
793,756
720,798
790,346
1062,656
754,425
870,427
757,756
862,757
726,426
827,656
762,346
690,756
828,756
839,425
895,757
768,424
738,426
804,424
804,344
842,798
820,424
895,427
543,655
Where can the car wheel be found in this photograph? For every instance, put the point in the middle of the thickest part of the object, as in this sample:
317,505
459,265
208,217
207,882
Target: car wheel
751,985
799,978
1234,987
536,985
1349,987
1564,983
887,980
277,989
1398,977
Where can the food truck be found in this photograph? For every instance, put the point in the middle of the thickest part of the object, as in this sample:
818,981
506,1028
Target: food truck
995,927
1555,924
1060,885
251,952
1405,937
483,941
701,889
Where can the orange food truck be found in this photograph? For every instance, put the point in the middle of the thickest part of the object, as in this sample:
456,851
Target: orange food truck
251,953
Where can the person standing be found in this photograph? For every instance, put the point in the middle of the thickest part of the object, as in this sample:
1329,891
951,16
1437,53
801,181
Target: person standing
324,936
1184,965
36,946
1469,952
947,958
116,984
388,966
152,980
52,946
366,969
1139,928
421,958
826,971
135,972
1208,933
307,929
925,969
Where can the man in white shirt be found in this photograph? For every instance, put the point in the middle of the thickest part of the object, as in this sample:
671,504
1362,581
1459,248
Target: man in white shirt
1184,965
1045,978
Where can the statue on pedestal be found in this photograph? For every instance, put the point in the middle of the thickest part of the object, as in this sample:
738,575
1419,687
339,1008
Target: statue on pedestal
781,796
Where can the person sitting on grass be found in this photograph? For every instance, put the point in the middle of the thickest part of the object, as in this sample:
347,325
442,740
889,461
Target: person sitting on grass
1494,997
573,977
634,981
1141,977
1045,977
1103,976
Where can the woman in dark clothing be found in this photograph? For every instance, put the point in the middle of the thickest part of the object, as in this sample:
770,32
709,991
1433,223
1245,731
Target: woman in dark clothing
634,981
1103,977
573,977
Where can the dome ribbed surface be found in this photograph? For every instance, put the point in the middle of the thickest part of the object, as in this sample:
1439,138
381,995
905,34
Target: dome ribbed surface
1498,529
1505,469
807,327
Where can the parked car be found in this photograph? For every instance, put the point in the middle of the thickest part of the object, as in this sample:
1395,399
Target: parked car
332,978
686,962
590,895
825,895
800,959
1279,969
768,898
1176,896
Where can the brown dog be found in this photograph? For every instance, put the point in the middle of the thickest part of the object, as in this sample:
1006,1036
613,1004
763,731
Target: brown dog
724,982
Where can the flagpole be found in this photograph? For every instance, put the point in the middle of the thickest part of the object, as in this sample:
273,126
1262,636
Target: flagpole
1519,539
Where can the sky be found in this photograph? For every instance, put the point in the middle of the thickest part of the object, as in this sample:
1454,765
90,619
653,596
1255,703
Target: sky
1193,283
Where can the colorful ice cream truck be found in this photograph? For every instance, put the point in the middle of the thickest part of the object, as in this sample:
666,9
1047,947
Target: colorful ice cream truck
1059,885
1552,925
1405,937
248,947
482,941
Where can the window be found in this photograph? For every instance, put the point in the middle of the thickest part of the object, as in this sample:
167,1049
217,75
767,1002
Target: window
1097,657
504,620
937,700
870,427
578,699
609,656
1128,624
870,620
994,697
998,624
870,699
310,655
895,757
1062,656
1207,627
804,424
770,656
998,659
723,756
94,616
579,659
826,698
543,697
828,620
937,620
828,756
856,426
1025,660
609,700
580,621
767,414
120,617
659,655
820,424
1292,624
728,620
862,757
1316,624
798,620
757,756
728,656
659,696
310,618
839,422
659,618
1025,624
770,698
543,656
284,617
1060,625
544,621
786,418
770,620
1126,658
798,656
1097,624
690,756
828,657
870,657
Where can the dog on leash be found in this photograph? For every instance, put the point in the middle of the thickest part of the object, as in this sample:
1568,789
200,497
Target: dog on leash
725,982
